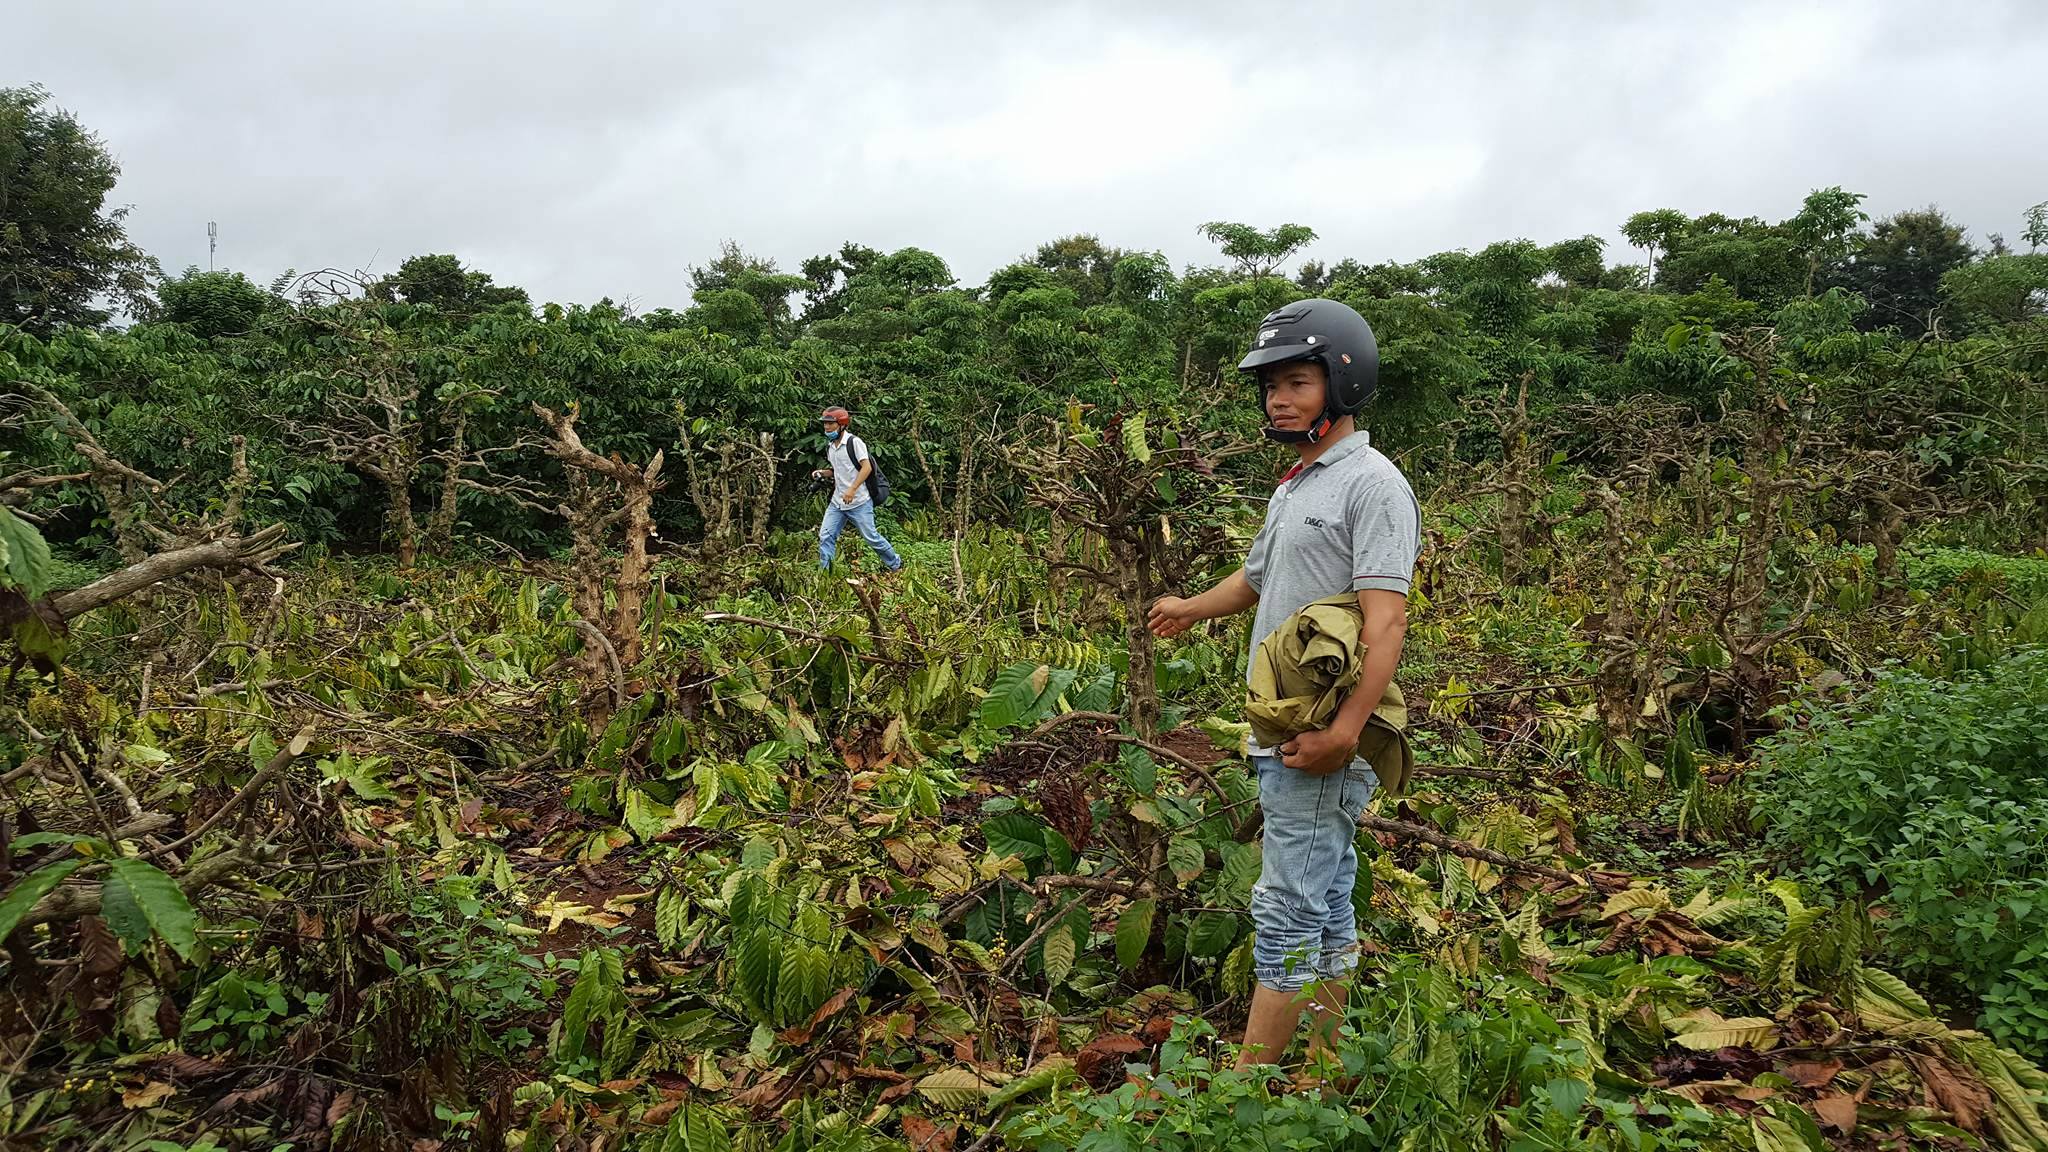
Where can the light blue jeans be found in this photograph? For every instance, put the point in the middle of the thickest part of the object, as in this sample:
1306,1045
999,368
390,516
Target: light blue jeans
863,517
1301,906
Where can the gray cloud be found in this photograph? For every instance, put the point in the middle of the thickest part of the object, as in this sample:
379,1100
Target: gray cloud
593,149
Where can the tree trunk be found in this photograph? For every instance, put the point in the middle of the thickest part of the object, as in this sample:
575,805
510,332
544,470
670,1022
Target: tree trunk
764,492
963,486
586,558
924,465
398,521
441,524
1888,527
1142,680
630,589
1517,498
1614,683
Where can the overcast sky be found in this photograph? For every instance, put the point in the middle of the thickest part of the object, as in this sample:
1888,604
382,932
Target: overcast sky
584,149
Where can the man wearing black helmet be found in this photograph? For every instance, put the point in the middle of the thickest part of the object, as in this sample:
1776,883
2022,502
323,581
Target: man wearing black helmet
1343,519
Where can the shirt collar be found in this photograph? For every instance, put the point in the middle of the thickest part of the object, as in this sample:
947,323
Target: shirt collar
1355,442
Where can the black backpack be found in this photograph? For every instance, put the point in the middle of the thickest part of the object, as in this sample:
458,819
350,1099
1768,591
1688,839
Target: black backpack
878,483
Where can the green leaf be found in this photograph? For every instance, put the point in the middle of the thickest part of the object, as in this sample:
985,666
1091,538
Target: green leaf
142,755
646,817
148,894
29,840
1058,951
1237,968
261,749
671,739
1184,856
954,1089
38,638
671,916
1786,1129
1703,1030
1134,438
1053,1071
1241,863
1211,933
1011,696
695,1129
1015,834
1133,931
24,556
34,887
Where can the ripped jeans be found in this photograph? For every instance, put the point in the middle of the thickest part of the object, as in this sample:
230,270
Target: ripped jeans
1301,906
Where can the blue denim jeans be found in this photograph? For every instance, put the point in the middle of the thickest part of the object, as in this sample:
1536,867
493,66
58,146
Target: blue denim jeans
1301,906
863,517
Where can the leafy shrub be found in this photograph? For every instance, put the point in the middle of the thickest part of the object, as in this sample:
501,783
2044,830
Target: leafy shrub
1934,794
1440,1065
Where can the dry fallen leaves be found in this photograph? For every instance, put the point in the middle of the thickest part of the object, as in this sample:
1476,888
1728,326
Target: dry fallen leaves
148,1095
1813,1074
1838,1111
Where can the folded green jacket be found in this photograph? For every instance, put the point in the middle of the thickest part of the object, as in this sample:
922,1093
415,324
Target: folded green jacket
1300,674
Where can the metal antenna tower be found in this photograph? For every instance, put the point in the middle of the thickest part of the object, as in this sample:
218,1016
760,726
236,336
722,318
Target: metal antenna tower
212,241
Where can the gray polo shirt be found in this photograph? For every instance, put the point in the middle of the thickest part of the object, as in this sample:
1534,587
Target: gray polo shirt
1349,521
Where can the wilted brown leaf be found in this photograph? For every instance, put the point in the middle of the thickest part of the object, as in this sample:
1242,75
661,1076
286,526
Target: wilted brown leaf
1101,1061
148,1095
767,1094
183,1066
660,1113
925,1136
1956,1089
830,1008
1813,1074
1837,1111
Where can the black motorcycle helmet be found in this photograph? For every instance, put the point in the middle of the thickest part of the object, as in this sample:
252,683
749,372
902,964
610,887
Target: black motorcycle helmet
1334,336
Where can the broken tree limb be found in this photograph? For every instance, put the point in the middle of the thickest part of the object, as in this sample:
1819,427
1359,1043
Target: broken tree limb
271,771
816,637
232,552
1512,691
1127,888
72,901
595,637
1074,718
1460,770
1457,847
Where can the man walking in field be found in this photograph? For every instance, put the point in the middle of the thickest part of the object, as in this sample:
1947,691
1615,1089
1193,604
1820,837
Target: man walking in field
852,493
1343,522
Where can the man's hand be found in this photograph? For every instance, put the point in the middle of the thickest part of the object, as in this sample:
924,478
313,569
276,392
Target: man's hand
1320,752
1171,616
846,497
820,473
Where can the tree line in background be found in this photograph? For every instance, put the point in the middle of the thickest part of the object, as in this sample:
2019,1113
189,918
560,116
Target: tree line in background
399,412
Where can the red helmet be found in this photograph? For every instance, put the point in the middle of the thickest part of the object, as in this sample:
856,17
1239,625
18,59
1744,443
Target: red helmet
835,415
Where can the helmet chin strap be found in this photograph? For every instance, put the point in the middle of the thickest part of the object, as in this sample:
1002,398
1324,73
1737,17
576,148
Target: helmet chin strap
1309,435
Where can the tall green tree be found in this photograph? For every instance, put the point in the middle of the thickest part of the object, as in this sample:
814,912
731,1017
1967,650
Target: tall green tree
1258,253
213,304
64,255
441,282
743,296
1898,268
1654,231
2036,231
1824,226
